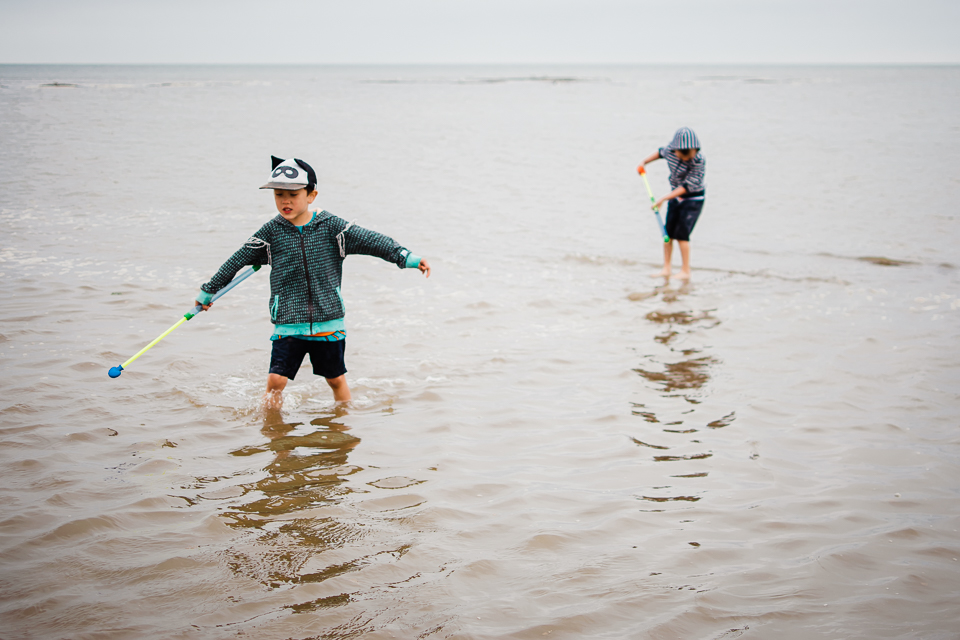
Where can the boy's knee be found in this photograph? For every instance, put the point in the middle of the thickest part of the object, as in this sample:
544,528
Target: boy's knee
276,382
341,392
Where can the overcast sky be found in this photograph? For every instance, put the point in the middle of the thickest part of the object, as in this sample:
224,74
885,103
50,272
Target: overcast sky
479,31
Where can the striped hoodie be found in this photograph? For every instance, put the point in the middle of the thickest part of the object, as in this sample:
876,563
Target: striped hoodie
690,174
306,268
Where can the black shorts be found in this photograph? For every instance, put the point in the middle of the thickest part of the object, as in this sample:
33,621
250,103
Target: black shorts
326,357
681,218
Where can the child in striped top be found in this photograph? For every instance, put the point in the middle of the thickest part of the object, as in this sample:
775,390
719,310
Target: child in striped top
687,168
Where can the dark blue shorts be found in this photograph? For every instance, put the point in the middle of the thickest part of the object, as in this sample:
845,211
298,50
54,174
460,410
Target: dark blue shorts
681,218
326,357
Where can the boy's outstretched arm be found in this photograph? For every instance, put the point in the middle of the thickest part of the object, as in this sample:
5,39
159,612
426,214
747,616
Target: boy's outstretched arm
253,252
354,239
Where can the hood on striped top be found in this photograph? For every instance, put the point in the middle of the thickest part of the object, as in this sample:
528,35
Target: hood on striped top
684,138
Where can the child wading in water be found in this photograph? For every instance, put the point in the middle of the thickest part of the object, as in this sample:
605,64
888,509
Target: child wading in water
305,250
687,168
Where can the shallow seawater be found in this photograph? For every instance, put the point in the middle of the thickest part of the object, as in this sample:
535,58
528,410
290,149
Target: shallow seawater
545,441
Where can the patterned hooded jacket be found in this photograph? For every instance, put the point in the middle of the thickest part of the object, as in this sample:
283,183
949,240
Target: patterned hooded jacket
306,269
690,174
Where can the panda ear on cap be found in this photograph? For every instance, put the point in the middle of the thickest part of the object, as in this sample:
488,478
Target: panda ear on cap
276,161
311,174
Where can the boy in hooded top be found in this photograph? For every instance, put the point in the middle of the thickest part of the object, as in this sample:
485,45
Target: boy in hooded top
687,170
305,250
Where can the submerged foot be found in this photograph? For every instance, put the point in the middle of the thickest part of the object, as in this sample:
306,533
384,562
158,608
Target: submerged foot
272,401
683,275
664,273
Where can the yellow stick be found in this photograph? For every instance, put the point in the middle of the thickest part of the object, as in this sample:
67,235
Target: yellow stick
115,372
159,338
653,200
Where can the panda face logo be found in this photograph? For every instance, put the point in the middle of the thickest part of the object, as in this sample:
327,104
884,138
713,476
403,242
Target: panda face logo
289,172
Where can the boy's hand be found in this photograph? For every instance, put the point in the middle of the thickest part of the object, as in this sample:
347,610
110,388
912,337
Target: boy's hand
424,267
205,306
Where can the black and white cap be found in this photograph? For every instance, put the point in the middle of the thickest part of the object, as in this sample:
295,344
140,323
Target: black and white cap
684,138
292,174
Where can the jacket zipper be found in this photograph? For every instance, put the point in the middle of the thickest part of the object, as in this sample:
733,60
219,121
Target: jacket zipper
306,270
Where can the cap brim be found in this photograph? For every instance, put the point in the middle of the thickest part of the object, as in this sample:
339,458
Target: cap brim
287,186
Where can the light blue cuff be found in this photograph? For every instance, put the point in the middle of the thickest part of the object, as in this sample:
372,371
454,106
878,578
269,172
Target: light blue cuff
413,261
204,297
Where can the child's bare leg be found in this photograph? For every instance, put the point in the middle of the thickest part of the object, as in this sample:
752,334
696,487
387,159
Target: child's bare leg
667,258
685,255
273,396
341,392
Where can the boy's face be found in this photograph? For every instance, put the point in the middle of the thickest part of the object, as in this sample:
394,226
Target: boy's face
294,205
686,154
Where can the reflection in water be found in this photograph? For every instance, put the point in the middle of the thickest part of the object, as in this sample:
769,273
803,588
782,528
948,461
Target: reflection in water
300,523
666,338
669,375
678,317
693,456
724,421
649,416
683,375
672,499
647,444
306,473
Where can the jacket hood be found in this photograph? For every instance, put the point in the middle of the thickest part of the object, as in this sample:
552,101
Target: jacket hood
684,138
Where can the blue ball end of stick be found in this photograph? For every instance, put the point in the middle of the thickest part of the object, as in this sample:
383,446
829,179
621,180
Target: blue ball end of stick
115,372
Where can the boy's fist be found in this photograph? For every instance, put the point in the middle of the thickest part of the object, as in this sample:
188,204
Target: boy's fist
424,267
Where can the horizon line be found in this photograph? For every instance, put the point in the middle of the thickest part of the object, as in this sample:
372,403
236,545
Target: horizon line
464,64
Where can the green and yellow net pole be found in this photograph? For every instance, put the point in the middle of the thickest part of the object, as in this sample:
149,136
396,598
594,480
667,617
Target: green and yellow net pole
116,371
663,231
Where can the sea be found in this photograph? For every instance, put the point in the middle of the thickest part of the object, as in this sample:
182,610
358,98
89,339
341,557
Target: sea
545,440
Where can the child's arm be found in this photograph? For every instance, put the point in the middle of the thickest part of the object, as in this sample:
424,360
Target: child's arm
253,252
650,158
357,240
676,193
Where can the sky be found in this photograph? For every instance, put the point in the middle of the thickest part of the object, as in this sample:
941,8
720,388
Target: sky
479,31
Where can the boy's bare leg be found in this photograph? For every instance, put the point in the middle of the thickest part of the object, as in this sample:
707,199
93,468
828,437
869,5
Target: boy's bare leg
273,396
667,258
341,392
685,255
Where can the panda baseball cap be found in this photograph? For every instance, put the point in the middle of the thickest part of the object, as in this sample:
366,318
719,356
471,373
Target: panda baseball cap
291,174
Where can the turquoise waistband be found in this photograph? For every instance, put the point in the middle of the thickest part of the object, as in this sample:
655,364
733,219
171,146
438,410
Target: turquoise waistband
306,328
